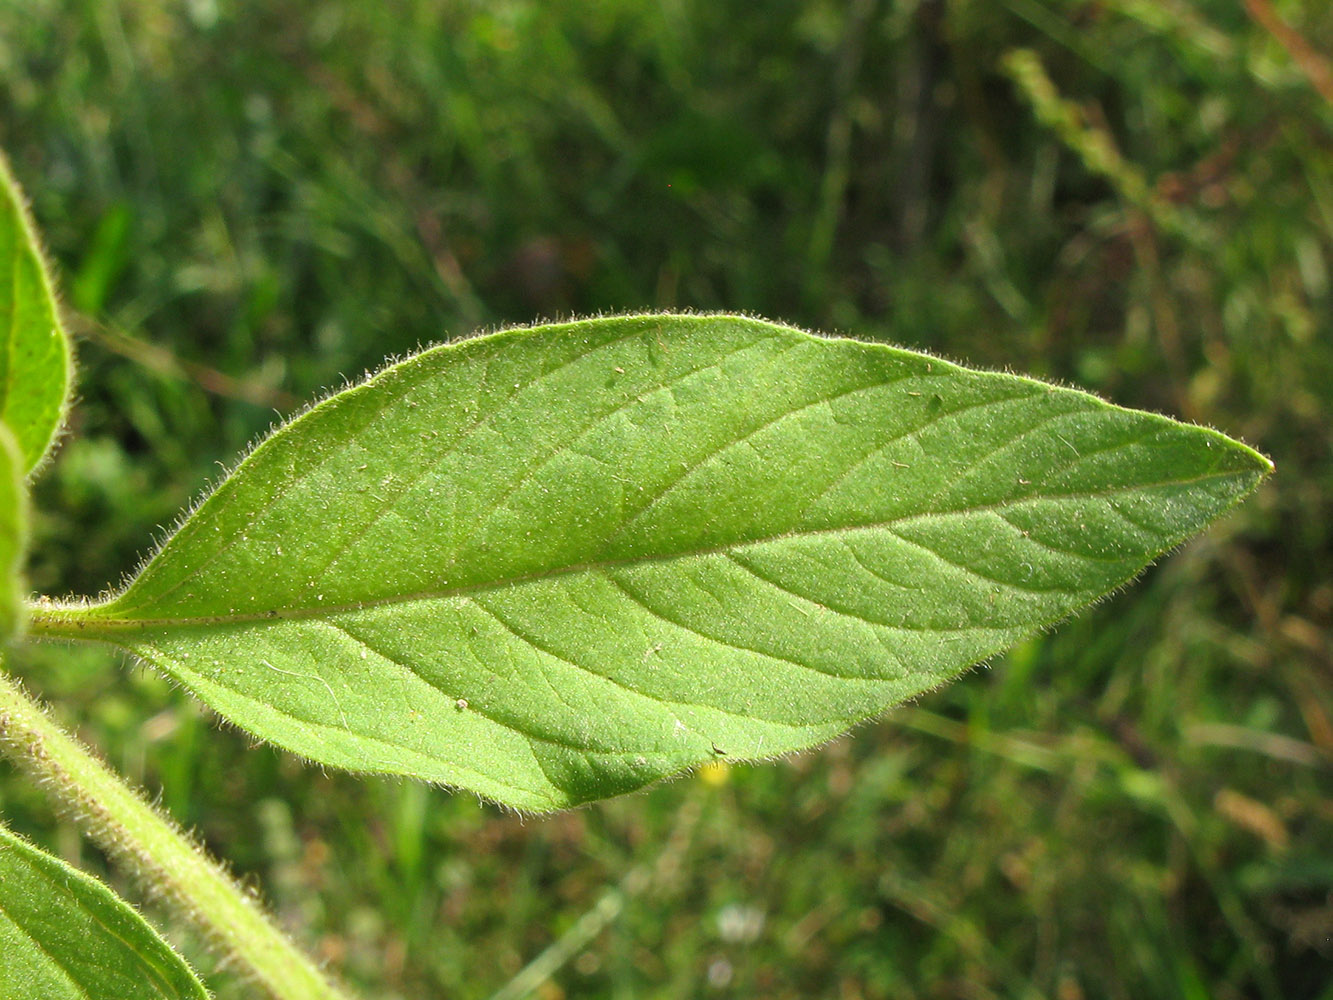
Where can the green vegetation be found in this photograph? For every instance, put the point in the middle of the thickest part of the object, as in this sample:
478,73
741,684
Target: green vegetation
92,946
34,351
514,519
1134,197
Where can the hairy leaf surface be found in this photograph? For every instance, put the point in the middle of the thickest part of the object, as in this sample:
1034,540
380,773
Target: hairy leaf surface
13,530
65,936
556,564
34,352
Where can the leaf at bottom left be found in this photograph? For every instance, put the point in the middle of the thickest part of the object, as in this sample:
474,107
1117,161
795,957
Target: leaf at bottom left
65,936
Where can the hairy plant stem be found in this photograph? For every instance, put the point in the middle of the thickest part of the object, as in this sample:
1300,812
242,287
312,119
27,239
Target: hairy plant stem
156,852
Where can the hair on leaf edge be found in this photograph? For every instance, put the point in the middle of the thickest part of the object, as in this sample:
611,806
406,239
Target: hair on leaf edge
108,595
113,592
45,272
851,725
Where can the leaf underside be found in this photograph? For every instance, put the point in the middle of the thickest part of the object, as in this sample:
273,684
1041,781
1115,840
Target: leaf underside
34,352
556,564
65,936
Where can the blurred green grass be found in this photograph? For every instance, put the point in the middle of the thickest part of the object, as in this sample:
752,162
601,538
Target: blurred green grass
249,203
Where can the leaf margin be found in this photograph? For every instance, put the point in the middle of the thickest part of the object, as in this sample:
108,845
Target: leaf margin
170,975
27,244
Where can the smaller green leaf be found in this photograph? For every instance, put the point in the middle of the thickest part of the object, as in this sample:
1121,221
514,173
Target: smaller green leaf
13,528
35,357
65,936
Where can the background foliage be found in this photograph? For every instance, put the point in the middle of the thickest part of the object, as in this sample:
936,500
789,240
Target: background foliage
248,202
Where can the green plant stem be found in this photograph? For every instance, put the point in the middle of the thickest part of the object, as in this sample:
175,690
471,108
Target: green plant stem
123,823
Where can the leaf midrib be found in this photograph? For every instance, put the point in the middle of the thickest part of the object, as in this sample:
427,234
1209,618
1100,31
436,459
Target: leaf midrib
84,617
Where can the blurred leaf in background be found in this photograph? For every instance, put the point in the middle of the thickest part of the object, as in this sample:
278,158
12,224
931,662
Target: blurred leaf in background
248,204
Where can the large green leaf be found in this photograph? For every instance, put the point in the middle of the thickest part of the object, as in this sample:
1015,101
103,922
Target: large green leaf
556,564
34,352
12,534
65,936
